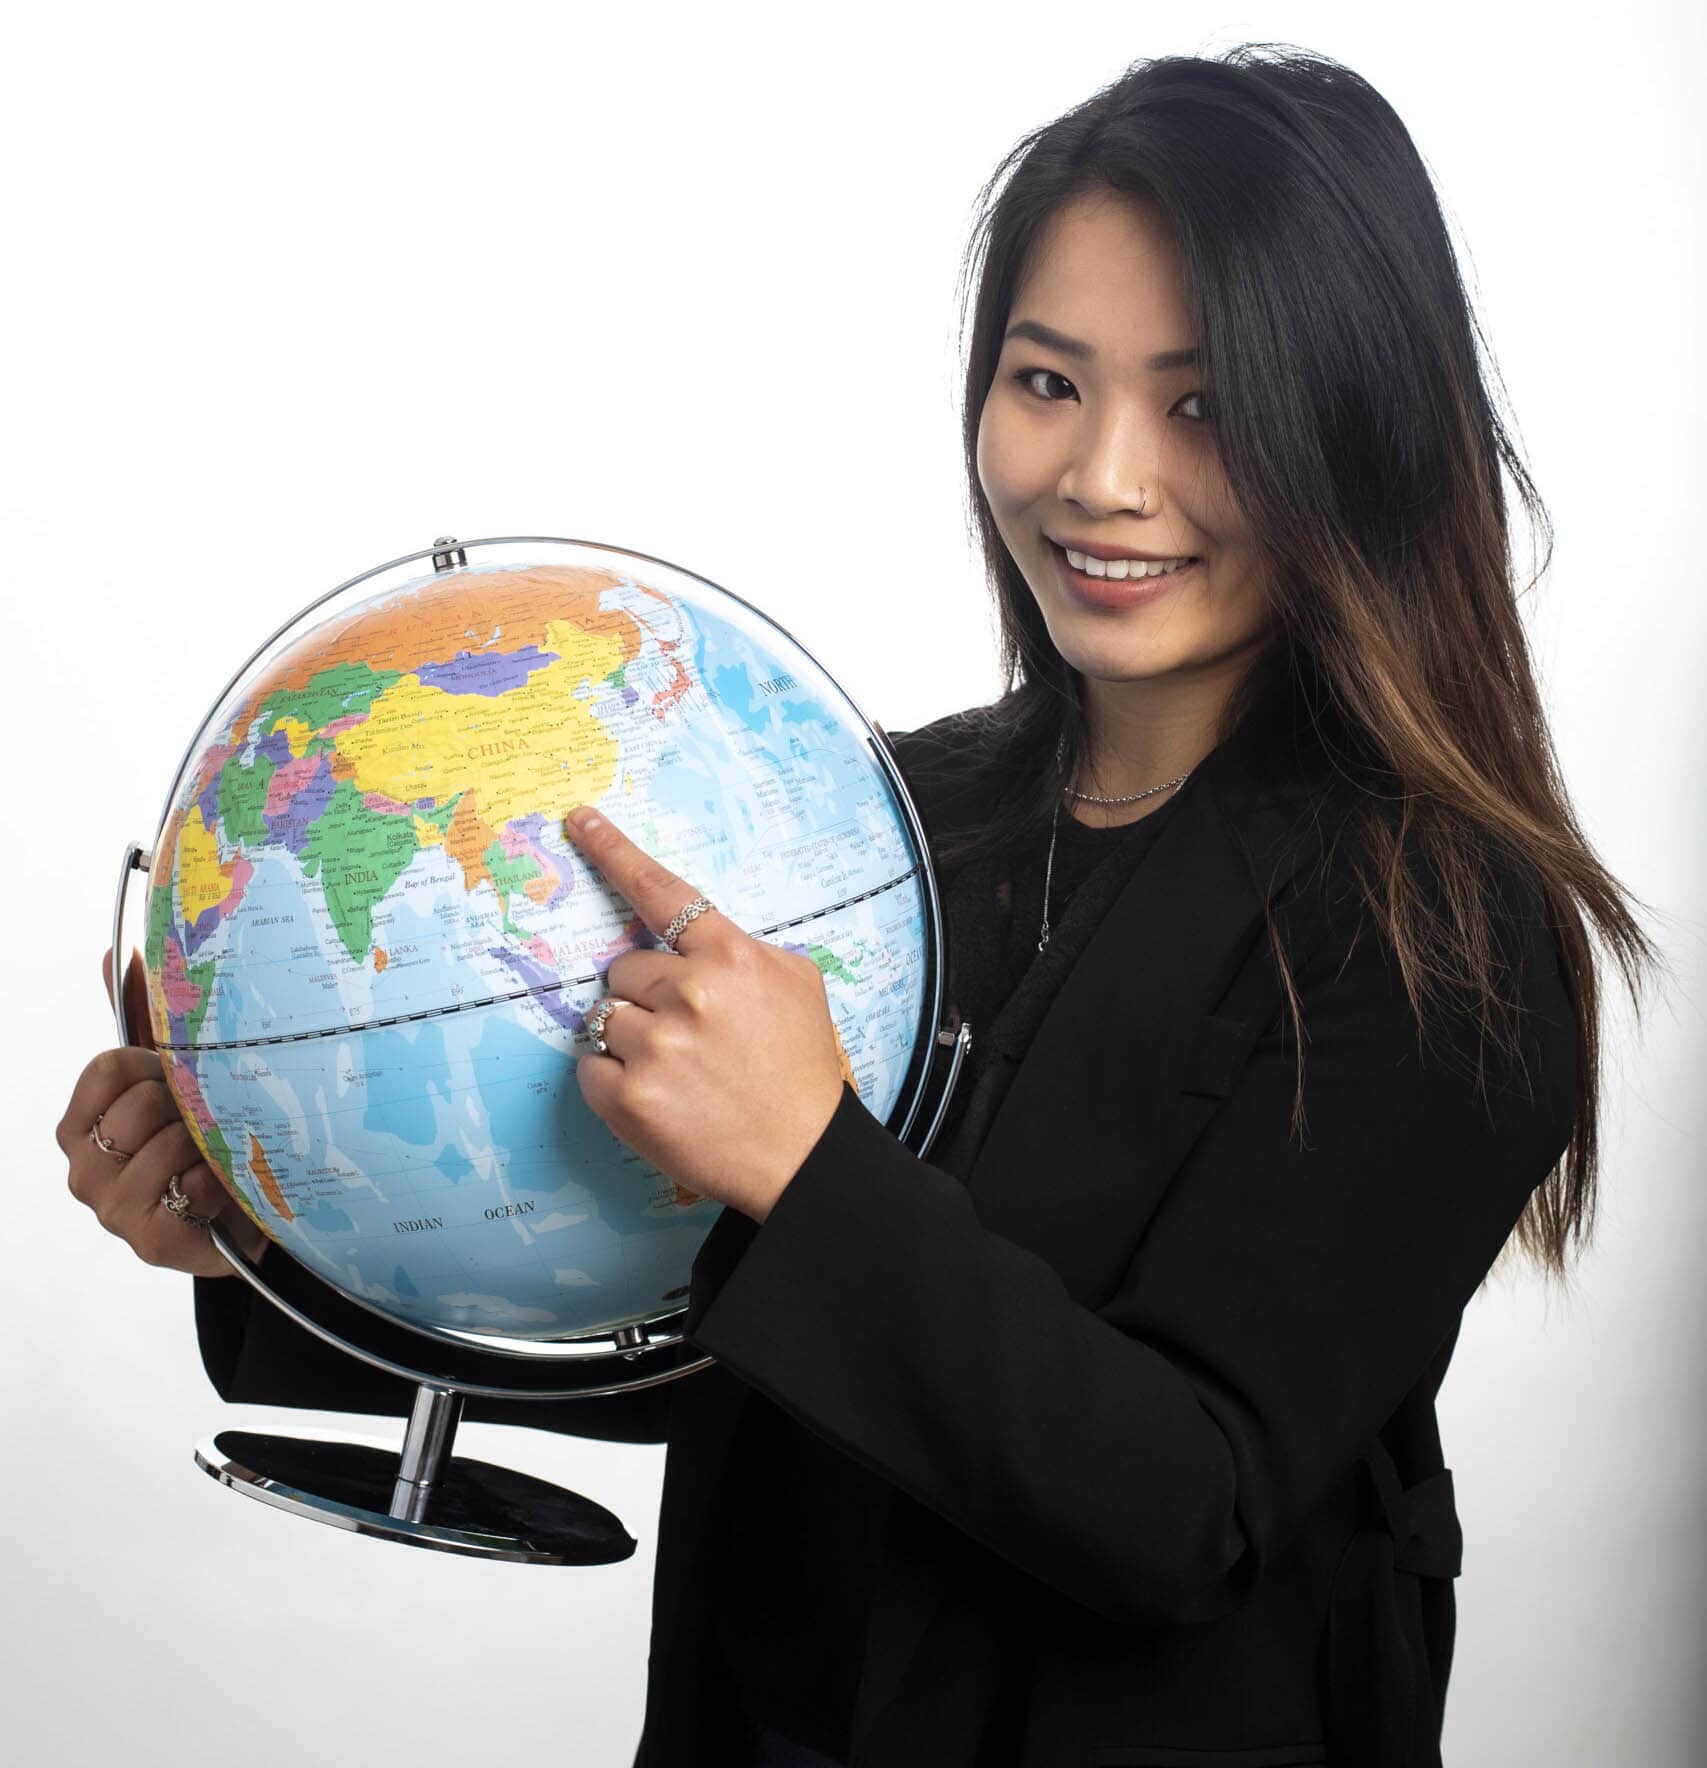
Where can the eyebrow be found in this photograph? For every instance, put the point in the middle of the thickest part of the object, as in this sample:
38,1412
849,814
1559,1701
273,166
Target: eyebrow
1039,333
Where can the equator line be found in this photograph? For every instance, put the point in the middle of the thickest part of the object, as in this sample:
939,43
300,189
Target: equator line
518,994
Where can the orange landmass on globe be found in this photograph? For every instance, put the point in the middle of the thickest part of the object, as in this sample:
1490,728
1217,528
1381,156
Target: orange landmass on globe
380,960
467,839
261,1168
432,625
680,680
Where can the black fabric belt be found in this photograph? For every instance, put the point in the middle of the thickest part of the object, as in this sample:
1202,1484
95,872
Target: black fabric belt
1384,1710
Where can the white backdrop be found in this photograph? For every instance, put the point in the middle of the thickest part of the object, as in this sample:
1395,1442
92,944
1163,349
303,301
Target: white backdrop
291,290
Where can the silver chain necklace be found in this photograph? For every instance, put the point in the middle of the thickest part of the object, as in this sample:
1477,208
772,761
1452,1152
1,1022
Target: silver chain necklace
1085,798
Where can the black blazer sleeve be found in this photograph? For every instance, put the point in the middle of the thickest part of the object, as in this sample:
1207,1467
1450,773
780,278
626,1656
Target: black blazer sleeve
255,1354
1149,1457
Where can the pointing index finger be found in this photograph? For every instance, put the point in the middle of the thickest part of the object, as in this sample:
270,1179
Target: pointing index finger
656,893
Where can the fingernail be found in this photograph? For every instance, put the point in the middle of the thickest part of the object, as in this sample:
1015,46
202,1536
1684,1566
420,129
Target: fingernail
581,819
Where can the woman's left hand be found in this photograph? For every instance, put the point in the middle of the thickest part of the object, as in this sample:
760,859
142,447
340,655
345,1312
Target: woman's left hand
725,1070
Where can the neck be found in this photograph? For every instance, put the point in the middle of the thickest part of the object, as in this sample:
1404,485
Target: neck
1144,733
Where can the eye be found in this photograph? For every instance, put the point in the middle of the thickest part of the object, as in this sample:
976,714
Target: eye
1027,376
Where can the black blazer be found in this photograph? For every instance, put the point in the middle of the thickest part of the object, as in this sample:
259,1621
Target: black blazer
1152,1386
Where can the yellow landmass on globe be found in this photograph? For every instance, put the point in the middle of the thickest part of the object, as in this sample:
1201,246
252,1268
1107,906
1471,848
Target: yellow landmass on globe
203,883
534,747
296,734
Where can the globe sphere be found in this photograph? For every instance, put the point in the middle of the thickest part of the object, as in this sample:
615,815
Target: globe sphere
371,949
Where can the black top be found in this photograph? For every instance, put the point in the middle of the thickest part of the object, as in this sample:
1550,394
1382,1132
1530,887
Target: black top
804,1535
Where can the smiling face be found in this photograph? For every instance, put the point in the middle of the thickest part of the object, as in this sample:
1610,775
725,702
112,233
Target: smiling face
1095,430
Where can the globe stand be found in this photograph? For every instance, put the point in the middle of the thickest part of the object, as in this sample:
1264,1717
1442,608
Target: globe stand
477,1509
423,1496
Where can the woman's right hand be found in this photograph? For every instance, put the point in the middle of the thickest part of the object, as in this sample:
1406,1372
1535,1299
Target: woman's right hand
126,1089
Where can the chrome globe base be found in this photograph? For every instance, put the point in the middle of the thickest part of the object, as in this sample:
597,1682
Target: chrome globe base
472,1507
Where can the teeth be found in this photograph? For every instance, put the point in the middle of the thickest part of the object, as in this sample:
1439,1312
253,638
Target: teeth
1121,568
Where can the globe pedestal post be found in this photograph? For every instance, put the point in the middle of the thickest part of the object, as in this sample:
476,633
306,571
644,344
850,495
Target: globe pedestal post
426,1445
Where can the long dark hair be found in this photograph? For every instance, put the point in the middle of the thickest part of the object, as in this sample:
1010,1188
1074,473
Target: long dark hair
1349,381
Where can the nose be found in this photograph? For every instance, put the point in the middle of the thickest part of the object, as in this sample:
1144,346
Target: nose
1115,466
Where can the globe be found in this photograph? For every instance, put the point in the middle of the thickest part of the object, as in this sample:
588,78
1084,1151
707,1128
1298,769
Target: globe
371,949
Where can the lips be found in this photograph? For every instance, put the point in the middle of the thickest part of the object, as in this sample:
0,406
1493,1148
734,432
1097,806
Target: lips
1119,593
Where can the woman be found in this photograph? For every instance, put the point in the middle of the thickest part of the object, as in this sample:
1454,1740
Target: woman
1108,1436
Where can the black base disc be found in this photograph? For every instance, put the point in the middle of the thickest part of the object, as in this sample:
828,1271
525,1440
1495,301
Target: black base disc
475,1508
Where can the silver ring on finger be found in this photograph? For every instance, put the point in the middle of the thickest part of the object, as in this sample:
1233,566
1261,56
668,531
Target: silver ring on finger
606,1005
102,1143
667,939
177,1199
